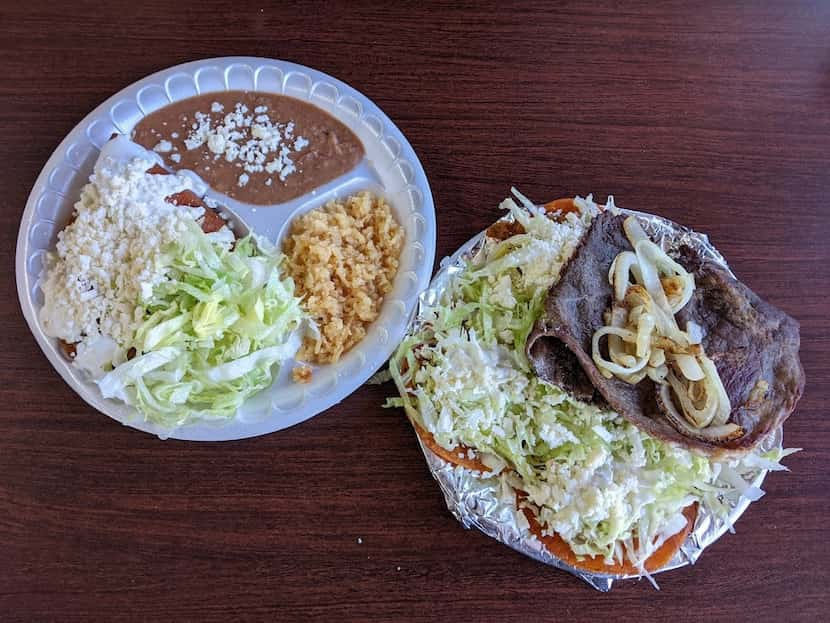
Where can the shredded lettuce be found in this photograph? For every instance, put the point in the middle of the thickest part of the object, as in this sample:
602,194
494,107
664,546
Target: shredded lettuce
211,335
607,488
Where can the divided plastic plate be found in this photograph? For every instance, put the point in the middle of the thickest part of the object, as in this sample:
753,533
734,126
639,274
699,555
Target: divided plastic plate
390,168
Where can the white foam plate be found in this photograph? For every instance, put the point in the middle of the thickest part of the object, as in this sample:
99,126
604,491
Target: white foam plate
390,168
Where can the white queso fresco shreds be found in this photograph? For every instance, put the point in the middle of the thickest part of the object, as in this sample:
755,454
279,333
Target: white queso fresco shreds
174,321
603,485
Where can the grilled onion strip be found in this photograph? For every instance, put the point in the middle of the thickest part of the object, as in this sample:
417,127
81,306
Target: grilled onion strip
644,339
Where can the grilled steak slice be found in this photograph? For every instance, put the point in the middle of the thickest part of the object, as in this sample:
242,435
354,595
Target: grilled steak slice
753,344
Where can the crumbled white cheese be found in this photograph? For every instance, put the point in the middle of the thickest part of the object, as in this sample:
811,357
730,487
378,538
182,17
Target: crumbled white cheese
555,434
163,147
176,157
216,107
109,259
254,142
502,292
243,180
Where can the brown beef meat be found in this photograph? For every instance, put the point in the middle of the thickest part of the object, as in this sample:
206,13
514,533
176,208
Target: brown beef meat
753,344
748,339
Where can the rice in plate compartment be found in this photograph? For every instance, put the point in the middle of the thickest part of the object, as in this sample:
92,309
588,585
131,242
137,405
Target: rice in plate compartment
567,439
158,303
343,258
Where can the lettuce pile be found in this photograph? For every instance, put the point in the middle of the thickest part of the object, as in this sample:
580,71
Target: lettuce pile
213,332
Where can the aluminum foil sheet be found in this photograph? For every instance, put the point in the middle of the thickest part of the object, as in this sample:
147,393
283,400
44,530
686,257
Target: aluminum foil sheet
480,502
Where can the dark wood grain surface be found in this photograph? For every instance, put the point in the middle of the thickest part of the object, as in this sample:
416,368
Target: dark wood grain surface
717,116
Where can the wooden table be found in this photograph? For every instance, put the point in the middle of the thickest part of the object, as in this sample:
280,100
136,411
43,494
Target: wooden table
717,116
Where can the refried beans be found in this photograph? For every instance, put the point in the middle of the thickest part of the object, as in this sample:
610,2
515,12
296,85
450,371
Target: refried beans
255,147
